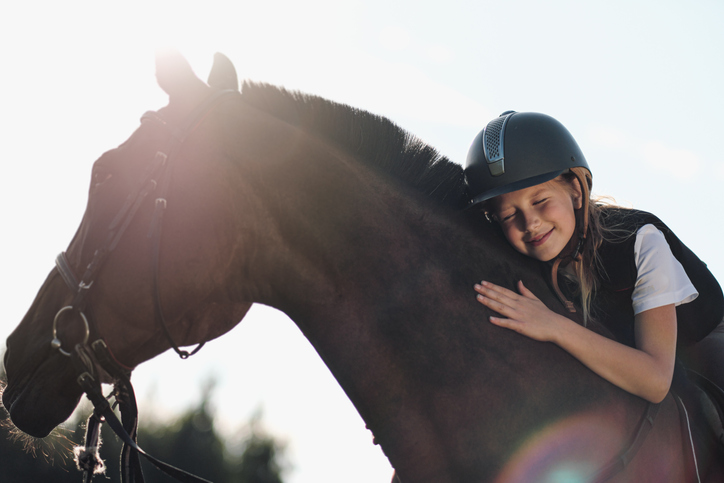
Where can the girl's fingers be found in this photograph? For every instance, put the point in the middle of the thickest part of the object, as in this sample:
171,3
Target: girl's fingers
523,313
524,290
502,301
496,288
492,304
495,291
510,324
491,299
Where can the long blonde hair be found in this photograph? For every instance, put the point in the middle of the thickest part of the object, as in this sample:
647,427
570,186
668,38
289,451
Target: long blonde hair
587,266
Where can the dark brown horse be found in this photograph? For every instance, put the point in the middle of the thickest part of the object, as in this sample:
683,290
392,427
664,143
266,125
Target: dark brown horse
353,228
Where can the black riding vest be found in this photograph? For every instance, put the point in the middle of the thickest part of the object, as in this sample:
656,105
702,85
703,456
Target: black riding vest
612,305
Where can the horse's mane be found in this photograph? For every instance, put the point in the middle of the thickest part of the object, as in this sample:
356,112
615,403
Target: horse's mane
374,140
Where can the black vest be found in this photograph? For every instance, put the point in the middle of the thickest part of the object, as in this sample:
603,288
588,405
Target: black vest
611,304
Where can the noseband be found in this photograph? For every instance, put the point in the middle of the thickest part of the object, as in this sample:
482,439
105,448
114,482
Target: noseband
86,357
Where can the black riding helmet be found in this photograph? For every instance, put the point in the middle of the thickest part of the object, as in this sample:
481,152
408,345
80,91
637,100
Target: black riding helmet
518,150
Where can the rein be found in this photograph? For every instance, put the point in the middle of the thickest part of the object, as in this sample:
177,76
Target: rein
619,463
88,357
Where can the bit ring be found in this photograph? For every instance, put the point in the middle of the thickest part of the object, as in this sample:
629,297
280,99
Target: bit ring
56,343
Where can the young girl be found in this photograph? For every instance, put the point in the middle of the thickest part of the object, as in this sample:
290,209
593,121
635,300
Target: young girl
623,267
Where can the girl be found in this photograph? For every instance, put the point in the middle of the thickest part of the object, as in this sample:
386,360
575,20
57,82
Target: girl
623,267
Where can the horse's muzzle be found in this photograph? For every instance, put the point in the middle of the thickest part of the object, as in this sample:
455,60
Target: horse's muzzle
29,403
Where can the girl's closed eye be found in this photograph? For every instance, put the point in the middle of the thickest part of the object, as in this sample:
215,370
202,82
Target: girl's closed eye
506,217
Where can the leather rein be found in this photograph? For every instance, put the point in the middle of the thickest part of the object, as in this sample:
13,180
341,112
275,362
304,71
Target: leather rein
87,357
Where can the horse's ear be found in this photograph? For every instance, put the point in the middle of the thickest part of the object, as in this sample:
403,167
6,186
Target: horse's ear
174,74
223,74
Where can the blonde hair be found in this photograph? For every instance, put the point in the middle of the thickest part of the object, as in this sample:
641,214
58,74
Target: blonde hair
584,264
588,267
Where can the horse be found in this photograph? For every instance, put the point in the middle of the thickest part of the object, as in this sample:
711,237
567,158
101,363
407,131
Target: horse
356,230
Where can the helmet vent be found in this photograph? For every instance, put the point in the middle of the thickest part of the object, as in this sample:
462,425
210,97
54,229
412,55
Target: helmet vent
493,144
493,138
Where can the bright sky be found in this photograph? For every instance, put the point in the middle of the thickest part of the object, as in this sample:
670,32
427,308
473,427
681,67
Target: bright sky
637,82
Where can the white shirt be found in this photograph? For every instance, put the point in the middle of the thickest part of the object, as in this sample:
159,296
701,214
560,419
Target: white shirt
661,278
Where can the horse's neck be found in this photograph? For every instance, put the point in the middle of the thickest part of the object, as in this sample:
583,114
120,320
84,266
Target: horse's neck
354,236
356,268
382,287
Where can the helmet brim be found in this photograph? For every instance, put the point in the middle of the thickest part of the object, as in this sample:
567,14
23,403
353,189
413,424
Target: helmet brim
518,185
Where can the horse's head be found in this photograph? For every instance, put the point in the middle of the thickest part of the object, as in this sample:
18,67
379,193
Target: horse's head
122,269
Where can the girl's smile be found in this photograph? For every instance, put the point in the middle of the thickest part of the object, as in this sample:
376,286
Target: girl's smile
538,241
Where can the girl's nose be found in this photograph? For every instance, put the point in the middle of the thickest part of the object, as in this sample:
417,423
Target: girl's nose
532,220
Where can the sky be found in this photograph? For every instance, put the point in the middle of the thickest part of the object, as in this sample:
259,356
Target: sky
637,82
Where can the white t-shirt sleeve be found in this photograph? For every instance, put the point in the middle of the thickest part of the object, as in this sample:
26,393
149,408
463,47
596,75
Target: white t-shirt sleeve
661,278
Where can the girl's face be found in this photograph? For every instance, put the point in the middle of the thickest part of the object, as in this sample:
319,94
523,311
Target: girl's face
539,221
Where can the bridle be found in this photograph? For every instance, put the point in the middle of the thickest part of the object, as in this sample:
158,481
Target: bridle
87,356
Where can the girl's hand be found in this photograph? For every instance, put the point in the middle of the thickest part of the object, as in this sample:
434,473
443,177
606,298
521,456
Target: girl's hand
645,370
525,313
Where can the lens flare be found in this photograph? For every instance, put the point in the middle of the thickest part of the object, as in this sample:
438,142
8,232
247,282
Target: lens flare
567,451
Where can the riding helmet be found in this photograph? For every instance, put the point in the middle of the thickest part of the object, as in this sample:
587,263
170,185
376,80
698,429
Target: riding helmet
517,150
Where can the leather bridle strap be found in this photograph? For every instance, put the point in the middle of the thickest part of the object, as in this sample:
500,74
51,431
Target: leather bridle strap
615,466
103,412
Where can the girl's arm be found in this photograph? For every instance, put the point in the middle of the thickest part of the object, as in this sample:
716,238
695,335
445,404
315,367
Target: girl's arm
645,371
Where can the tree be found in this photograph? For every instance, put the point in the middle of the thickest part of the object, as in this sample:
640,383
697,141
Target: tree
261,460
190,442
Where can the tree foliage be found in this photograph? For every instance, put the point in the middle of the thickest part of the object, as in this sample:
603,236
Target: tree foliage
192,442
